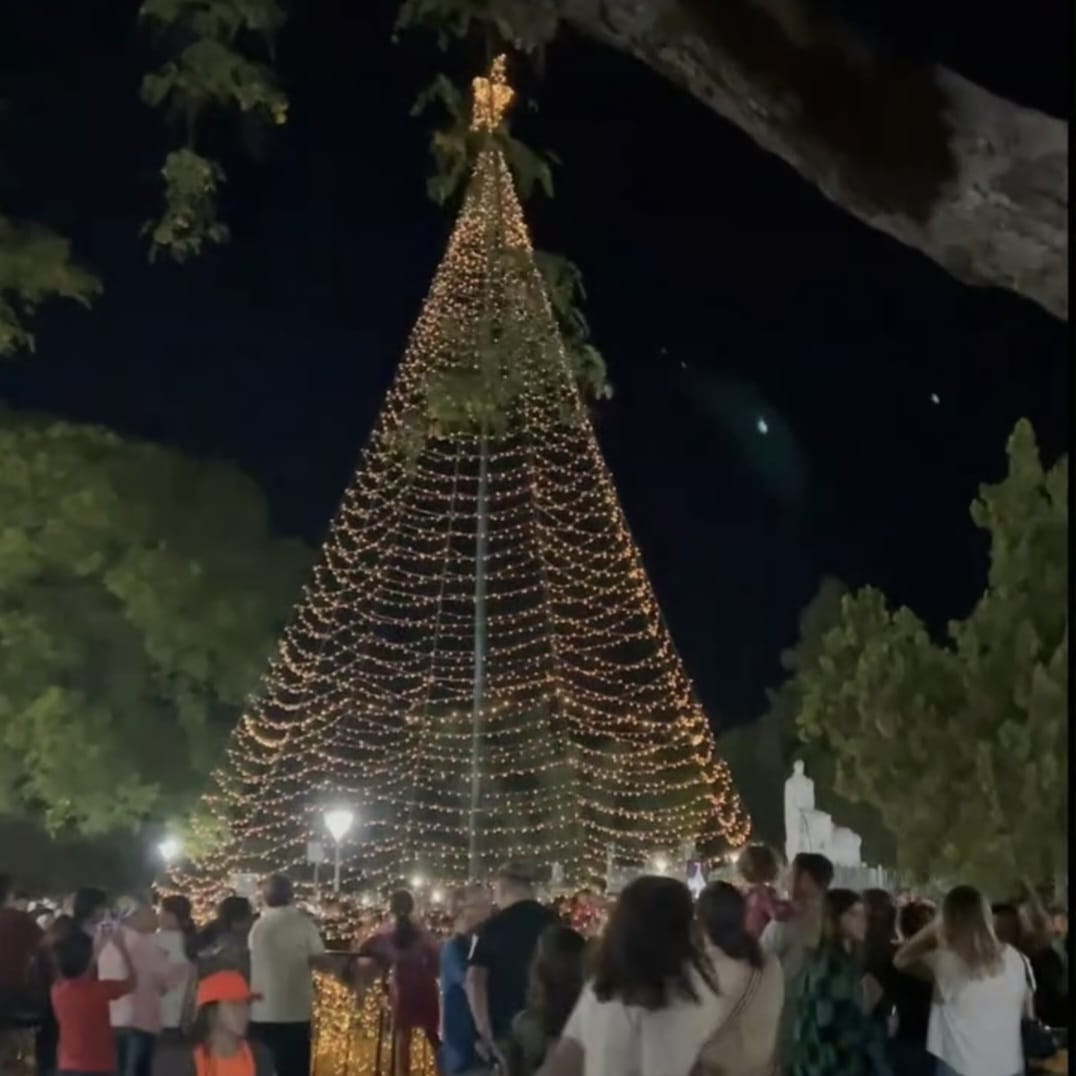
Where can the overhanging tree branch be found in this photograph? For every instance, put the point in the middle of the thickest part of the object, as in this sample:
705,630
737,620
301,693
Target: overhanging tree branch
976,183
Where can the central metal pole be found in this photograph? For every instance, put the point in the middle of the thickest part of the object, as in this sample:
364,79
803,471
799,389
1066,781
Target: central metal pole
474,863
336,870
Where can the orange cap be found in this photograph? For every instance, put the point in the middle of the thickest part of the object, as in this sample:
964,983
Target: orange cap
224,986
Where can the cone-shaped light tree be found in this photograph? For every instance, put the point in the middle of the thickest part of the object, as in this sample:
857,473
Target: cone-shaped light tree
479,667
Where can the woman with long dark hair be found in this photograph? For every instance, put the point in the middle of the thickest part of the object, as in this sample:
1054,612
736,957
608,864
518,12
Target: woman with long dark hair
407,955
751,986
176,935
911,997
224,944
834,1032
556,980
652,1002
1052,1005
879,945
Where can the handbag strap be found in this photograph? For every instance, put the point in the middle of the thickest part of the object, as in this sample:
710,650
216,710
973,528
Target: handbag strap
742,1002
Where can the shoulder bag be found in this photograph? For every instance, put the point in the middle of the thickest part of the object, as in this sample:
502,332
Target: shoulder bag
735,1013
1037,1041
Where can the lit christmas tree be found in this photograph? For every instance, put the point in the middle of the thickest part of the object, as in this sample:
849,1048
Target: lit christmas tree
479,668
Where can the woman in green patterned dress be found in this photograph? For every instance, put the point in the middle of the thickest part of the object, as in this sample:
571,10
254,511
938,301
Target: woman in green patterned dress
834,1034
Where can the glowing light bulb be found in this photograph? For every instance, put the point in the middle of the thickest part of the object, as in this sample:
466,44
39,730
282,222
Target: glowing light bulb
338,821
169,848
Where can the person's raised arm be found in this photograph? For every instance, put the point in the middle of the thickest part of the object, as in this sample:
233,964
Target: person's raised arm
1037,917
913,957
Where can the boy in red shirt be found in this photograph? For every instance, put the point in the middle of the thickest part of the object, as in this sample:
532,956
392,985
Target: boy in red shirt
80,1001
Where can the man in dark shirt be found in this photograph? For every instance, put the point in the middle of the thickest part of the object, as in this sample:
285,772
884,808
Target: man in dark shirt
500,958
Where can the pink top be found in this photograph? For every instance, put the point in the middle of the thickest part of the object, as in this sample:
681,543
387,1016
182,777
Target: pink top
154,975
763,904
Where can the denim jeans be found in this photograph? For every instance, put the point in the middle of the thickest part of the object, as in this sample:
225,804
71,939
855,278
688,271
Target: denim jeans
907,1058
134,1052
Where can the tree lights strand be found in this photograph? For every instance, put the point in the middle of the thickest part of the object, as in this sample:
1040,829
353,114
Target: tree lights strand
591,735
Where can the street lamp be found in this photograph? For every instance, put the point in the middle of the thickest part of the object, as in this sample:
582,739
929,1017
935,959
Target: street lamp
661,864
169,849
338,821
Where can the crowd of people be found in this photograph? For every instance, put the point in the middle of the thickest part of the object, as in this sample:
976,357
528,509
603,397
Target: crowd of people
741,981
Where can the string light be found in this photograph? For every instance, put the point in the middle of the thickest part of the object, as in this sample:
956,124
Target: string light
355,1039
591,734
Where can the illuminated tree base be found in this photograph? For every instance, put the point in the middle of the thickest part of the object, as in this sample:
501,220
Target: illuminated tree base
353,1038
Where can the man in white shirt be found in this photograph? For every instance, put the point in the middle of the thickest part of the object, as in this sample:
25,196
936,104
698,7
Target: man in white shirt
791,940
285,947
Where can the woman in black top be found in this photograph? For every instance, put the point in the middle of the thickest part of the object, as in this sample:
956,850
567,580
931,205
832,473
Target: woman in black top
556,979
910,997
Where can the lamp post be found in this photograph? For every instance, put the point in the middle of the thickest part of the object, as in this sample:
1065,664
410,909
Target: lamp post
338,821
169,849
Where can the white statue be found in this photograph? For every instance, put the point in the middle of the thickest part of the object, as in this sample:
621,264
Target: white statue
846,847
799,803
810,830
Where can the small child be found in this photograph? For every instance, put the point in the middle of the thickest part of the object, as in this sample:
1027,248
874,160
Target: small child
758,867
221,1047
80,1001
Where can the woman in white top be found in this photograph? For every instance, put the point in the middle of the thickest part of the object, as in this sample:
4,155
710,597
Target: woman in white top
980,989
652,1002
175,935
751,984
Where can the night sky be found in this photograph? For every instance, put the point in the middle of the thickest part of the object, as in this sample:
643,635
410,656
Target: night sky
722,290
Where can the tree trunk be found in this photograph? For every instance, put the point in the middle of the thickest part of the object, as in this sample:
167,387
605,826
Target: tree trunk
976,183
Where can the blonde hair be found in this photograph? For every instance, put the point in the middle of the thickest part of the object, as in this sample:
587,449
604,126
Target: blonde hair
967,929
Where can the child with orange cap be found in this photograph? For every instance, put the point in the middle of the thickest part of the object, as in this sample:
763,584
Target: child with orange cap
221,1047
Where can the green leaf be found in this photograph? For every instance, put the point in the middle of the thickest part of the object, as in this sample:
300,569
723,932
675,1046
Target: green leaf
528,25
209,70
189,223
140,592
962,740
35,266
